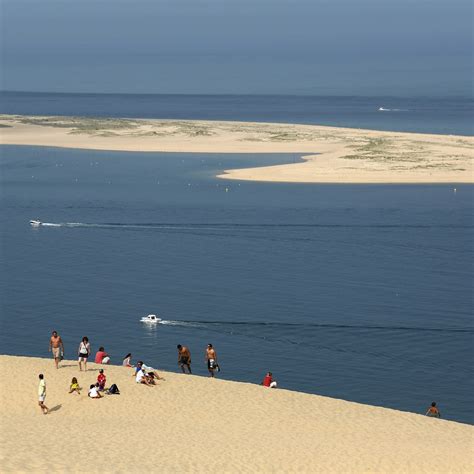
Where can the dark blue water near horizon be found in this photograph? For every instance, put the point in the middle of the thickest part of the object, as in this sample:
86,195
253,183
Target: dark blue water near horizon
351,291
441,115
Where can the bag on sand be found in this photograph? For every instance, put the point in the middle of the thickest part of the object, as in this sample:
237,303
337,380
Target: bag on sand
113,390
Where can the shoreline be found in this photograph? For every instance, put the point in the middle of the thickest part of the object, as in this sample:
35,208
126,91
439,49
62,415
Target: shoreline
328,154
194,424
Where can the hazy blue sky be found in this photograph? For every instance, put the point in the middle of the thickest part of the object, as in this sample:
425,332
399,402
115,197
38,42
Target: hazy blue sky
355,47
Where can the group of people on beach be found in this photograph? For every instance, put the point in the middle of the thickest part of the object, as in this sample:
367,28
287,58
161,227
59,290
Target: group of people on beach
144,374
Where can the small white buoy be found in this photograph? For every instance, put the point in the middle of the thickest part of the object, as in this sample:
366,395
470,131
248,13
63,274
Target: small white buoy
455,190
226,190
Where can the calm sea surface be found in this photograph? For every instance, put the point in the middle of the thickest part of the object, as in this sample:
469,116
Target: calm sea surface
357,292
428,115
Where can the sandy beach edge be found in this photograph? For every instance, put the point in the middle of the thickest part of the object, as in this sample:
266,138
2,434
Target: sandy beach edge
329,154
193,424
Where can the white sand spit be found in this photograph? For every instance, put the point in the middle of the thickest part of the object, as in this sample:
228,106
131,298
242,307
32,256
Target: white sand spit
330,154
196,424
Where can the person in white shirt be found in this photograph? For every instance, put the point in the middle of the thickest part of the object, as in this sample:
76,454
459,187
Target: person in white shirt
94,391
42,394
142,378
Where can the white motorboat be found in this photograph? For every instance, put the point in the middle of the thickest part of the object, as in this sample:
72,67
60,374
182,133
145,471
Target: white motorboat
35,223
151,318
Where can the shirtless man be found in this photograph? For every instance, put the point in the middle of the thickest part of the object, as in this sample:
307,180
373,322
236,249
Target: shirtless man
56,346
184,358
211,358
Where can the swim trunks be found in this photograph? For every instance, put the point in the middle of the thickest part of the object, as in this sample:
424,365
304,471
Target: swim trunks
56,352
184,360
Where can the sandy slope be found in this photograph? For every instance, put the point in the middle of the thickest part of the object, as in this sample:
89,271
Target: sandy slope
195,424
343,155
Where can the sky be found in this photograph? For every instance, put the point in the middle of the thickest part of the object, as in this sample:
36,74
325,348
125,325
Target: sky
302,47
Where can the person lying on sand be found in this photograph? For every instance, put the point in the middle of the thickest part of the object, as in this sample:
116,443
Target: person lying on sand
433,411
74,387
94,391
268,381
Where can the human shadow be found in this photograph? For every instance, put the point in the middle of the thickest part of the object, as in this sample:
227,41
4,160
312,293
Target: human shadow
56,408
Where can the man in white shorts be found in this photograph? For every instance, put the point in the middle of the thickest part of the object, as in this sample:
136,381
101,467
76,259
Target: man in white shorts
42,394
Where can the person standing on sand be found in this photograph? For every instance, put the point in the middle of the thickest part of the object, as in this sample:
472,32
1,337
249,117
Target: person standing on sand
42,394
84,353
56,346
184,358
211,358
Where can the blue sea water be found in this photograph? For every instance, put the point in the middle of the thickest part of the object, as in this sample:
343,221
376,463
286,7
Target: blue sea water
445,115
357,292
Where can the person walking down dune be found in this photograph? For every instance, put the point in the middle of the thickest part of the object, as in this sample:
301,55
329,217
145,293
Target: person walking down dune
211,358
42,394
84,352
56,346
184,358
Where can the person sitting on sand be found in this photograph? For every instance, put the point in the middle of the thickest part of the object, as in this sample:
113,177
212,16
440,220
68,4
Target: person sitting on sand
127,361
101,379
141,377
102,357
74,388
150,371
268,381
433,411
184,358
94,391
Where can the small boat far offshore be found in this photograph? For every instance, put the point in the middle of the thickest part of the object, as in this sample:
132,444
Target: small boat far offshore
35,223
151,318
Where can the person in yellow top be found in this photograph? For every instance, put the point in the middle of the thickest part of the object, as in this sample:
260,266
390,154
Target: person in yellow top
74,388
42,394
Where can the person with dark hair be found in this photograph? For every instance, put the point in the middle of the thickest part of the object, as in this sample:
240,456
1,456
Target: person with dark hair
42,394
84,352
433,411
101,380
102,357
127,361
94,391
184,358
268,381
56,346
211,358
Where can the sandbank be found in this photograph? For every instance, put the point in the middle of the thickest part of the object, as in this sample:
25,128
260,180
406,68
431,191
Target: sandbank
196,424
329,154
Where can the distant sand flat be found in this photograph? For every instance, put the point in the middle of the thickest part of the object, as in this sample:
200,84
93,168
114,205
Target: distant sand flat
196,424
330,154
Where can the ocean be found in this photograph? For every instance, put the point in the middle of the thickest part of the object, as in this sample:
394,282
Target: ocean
444,115
351,291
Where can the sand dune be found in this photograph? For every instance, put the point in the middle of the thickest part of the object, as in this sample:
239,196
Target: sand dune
196,424
330,154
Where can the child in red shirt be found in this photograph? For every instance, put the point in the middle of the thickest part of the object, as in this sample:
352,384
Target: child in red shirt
101,379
